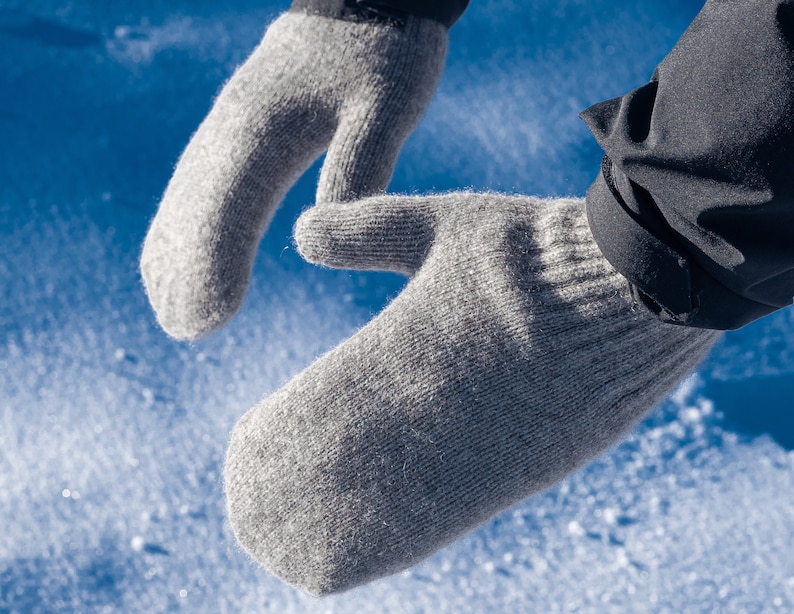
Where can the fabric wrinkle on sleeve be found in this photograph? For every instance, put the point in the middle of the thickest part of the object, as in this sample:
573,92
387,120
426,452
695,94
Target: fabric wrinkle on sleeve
695,201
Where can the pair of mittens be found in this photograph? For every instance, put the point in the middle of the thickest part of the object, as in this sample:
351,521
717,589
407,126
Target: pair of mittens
513,356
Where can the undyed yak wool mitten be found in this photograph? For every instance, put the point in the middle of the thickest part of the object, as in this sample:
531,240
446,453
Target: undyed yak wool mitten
355,88
513,356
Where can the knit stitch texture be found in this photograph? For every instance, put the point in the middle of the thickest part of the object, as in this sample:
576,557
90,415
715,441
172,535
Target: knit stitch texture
314,83
513,356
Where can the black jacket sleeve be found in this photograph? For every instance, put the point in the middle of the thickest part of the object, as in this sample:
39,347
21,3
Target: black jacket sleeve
446,12
695,200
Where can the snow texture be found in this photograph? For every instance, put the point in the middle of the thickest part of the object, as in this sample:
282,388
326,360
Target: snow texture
112,435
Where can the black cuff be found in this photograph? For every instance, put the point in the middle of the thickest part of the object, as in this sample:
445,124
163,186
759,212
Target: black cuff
395,12
665,279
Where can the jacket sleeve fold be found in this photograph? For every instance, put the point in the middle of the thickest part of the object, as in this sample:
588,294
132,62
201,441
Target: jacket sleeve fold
694,203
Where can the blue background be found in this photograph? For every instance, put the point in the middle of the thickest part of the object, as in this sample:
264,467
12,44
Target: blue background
112,435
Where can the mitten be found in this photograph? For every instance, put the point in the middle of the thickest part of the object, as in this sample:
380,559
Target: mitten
513,356
356,88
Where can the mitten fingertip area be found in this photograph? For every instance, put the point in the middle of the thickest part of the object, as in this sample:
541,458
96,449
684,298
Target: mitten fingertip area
186,318
281,517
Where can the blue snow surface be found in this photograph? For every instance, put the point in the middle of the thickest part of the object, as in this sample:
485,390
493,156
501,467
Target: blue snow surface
112,435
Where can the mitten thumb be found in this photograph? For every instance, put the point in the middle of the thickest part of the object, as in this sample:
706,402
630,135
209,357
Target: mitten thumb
383,233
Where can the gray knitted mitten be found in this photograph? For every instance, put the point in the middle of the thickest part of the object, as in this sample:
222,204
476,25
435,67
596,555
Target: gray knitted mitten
356,89
513,356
